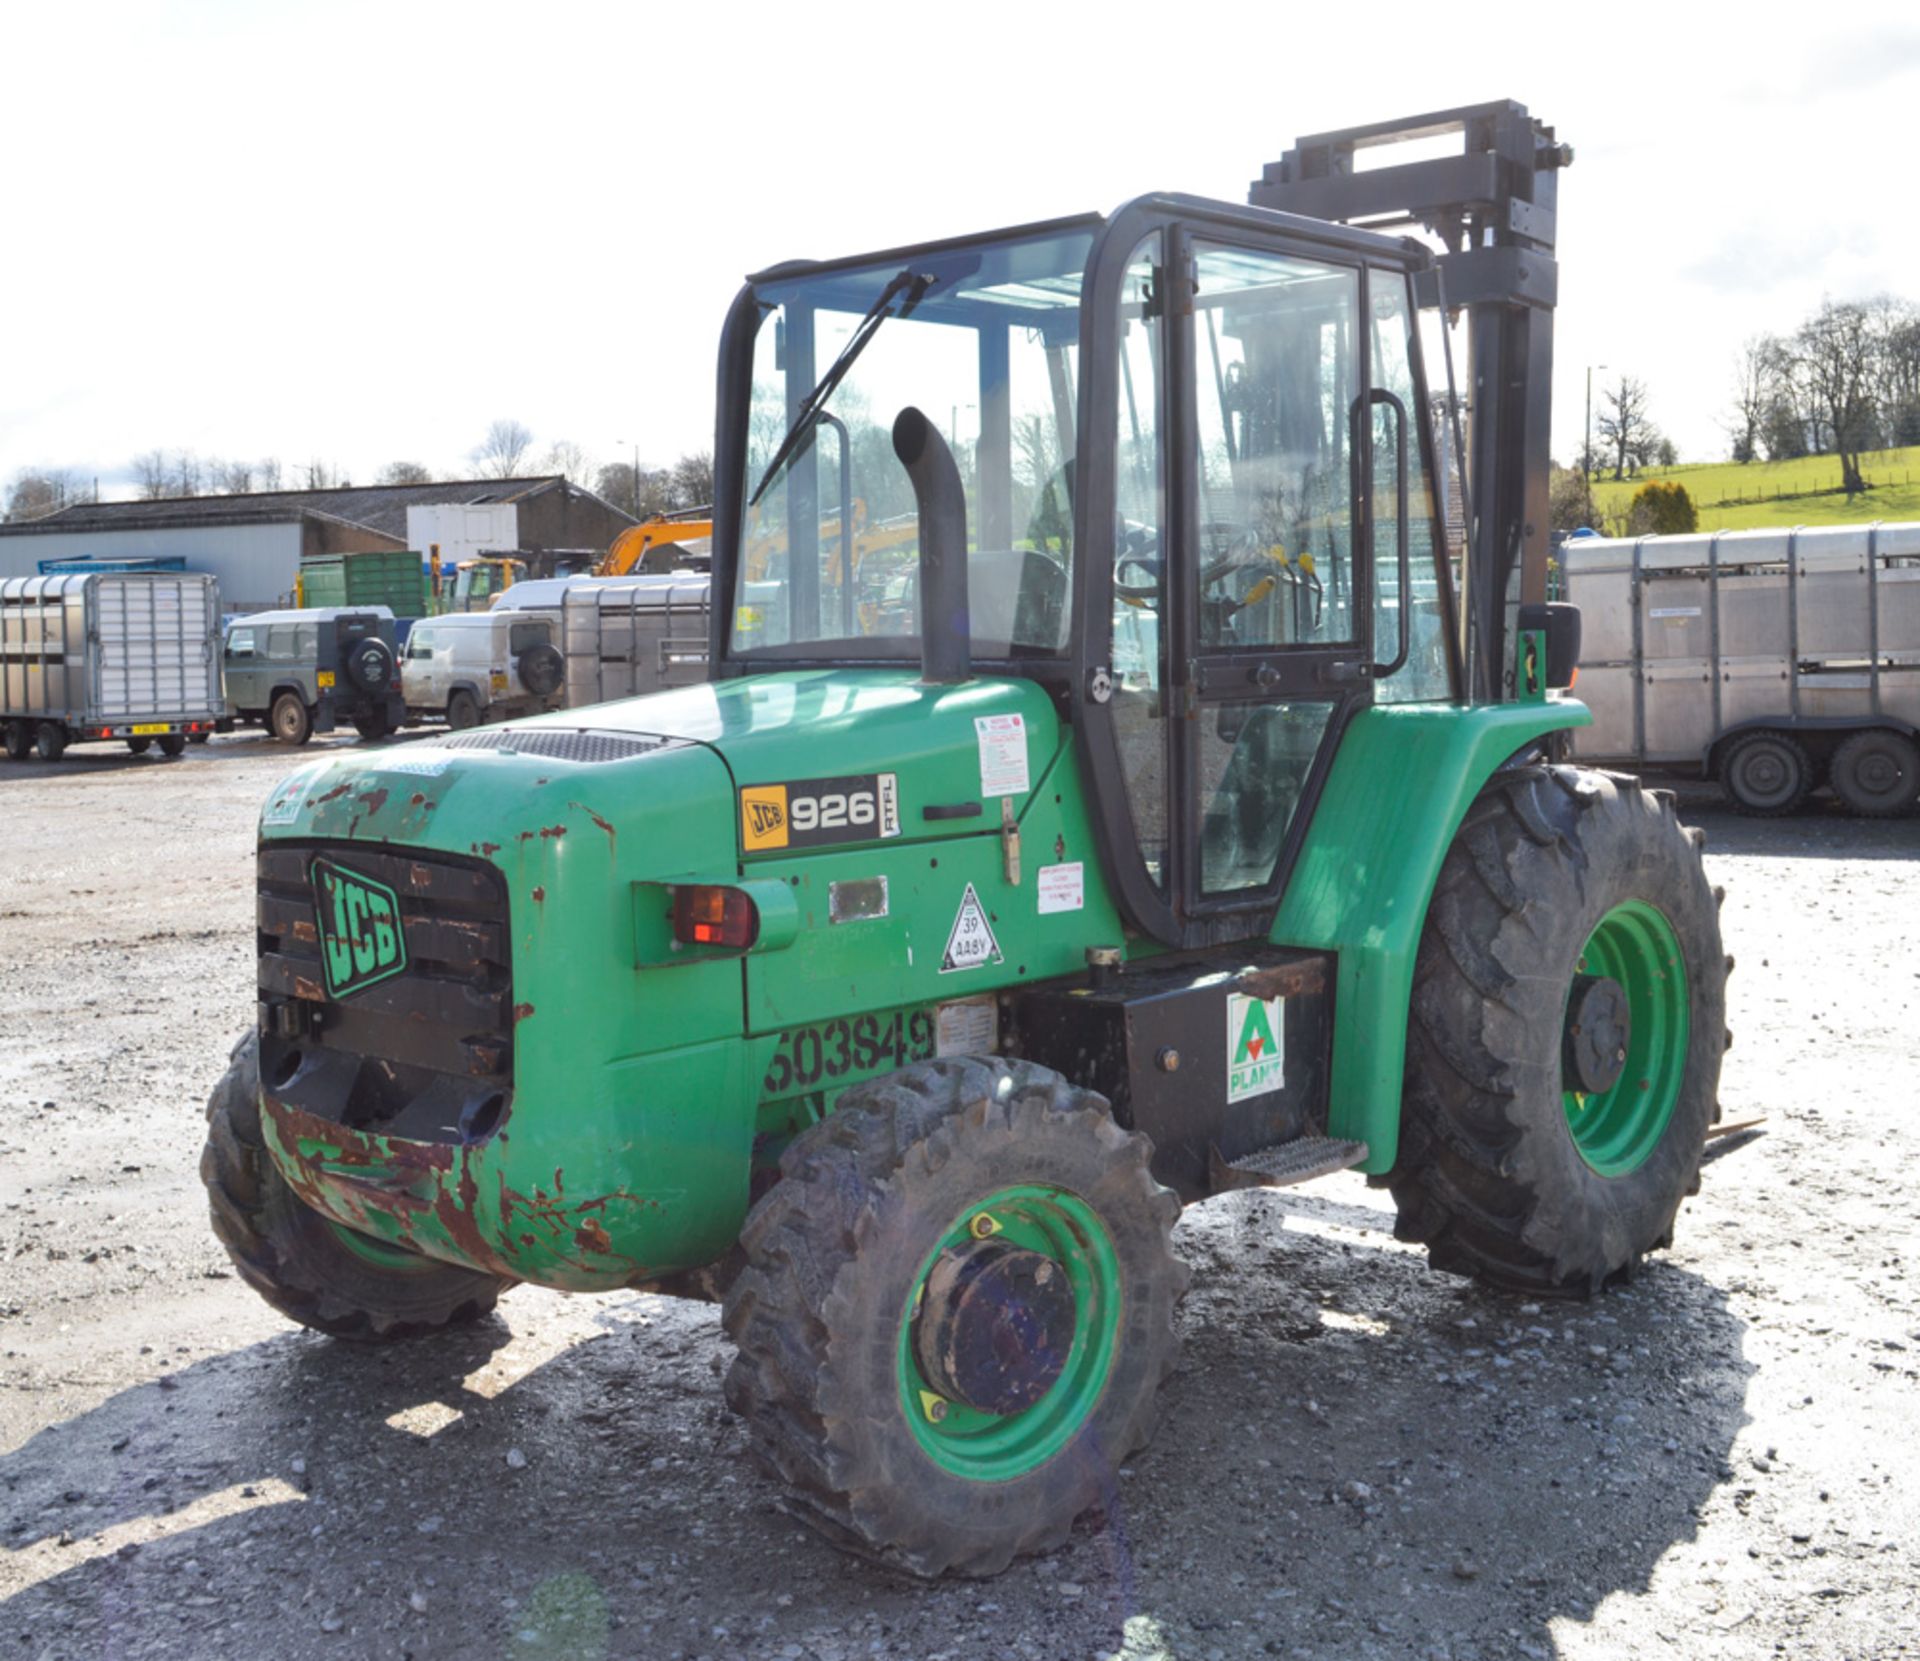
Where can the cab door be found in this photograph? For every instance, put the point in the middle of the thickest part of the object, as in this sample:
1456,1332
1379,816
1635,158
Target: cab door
1237,632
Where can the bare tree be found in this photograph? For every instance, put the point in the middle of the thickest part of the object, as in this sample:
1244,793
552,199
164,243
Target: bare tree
618,484
231,478
270,473
35,492
569,460
693,480
187,476
1834,353
503,450
1756,372
404,472
151,474
1625,427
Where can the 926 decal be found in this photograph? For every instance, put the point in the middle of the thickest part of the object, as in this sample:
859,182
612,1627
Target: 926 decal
835,1050
809,813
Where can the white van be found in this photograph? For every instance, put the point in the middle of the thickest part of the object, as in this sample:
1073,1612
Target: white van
482,666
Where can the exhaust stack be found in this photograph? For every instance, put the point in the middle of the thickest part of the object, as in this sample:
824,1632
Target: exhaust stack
946,629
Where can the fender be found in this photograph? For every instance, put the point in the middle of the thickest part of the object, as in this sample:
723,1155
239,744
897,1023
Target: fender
1399,788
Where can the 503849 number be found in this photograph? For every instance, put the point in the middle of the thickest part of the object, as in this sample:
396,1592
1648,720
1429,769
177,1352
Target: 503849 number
837,1049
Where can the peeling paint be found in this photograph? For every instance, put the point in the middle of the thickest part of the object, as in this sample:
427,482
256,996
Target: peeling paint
612,835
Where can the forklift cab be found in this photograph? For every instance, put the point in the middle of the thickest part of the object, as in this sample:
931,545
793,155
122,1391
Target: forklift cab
1198,470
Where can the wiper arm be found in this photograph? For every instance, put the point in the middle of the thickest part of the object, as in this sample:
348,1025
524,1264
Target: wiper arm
915,285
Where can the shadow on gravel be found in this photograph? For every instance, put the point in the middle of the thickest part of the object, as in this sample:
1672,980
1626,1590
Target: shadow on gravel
1357,1458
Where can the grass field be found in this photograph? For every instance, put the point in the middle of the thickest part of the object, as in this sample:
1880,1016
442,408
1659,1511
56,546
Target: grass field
1730,497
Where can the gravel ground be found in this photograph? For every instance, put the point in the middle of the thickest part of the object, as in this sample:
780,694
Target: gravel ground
1358,1458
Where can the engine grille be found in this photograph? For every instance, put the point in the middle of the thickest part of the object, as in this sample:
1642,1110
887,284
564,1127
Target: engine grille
582,746
426,1053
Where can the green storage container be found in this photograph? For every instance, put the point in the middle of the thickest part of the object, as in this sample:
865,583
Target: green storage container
394,578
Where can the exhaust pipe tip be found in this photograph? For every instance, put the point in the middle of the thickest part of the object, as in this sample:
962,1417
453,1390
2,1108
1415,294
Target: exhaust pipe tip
946,631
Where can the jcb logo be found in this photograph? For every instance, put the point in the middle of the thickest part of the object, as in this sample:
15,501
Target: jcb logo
763,817
361,940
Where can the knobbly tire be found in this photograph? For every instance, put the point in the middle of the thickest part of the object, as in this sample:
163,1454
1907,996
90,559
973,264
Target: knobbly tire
294,1258
988,1179
1519,1163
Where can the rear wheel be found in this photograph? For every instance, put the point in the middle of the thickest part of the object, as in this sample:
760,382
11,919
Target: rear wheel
1767,773
463,710
173,744
373,725
19,740
139,746
50,741
312,1271
1877,773
957,1310
1564,1044
198,737
290,719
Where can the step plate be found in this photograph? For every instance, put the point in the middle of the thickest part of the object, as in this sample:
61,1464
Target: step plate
1287,1163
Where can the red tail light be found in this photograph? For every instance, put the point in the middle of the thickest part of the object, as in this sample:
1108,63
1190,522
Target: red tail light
714,916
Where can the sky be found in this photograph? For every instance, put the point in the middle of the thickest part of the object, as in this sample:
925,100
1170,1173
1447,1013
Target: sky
358,233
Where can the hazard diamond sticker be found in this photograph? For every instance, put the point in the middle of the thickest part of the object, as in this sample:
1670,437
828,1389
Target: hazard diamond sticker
971,943
1256,1045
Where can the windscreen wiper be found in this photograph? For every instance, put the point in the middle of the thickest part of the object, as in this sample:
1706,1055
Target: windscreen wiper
914,284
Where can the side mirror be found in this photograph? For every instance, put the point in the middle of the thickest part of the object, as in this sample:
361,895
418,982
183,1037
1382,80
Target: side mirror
1560,623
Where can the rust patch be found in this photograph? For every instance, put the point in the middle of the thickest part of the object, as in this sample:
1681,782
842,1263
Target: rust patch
304,930
553,831
612,835
374,800
539,895
591,1237
522,1011
486,850
308,989
332,795
416,799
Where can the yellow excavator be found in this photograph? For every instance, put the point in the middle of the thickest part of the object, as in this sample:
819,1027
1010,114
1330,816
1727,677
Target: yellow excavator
656,544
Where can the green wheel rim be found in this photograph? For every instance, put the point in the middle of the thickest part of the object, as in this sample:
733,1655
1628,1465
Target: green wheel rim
988,1447
1617,1128
378,1252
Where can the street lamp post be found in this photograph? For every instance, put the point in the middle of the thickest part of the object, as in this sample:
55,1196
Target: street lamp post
1586,450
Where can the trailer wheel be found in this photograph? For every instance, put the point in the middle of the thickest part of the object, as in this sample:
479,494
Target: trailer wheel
957,1311
139,746
1877,773
50,740
463,710
1564,1044
19,739
1766,773
173,744
290,719
198,737
322,1276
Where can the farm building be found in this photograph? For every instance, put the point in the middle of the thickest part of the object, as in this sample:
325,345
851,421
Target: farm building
254,543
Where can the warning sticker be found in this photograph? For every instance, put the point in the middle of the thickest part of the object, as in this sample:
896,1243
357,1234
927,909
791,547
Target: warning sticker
1062,888
1256,1045
283,806
1003,754
971,944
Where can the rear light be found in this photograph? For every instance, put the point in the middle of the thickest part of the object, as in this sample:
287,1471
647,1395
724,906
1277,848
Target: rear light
706,915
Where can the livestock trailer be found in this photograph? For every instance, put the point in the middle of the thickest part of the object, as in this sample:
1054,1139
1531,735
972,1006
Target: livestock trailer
622,636
92,657
1774,661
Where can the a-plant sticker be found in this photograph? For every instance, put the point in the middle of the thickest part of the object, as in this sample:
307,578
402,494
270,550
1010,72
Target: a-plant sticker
970,944
361,940
1256,1045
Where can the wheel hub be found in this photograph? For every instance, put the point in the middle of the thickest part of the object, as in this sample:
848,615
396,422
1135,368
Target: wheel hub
995,1327
1598,1031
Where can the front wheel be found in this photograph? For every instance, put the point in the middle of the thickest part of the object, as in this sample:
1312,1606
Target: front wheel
1767,773
50,741
307,1267
139,746
957,1311
1564,1042
19,740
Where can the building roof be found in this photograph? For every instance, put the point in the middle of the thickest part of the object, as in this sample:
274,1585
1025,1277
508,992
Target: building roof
379,507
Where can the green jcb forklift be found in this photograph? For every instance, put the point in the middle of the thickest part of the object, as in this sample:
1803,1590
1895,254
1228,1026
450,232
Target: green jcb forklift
902,983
